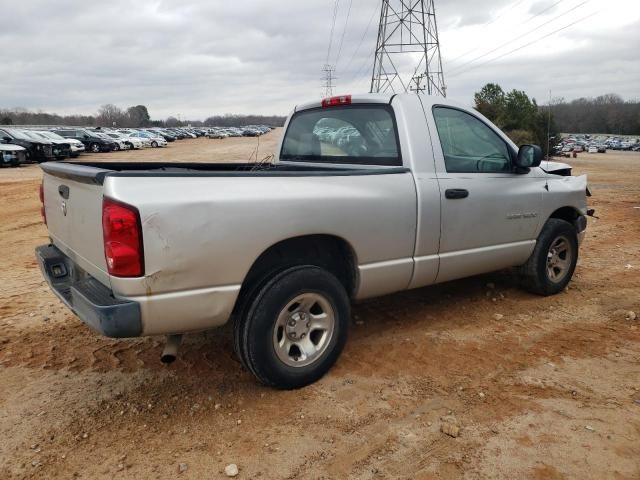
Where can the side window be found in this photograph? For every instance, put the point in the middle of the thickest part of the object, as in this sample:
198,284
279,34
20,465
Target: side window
468,144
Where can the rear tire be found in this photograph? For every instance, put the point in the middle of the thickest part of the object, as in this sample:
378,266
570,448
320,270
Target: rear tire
553,261
294,327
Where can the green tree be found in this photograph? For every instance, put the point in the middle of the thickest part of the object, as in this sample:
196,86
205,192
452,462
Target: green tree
520,111
6,121
139,116
490,101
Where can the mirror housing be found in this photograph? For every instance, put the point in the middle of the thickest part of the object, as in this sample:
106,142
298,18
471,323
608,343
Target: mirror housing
529,156
7,139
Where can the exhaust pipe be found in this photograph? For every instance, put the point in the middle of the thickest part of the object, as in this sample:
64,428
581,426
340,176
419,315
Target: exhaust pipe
170,351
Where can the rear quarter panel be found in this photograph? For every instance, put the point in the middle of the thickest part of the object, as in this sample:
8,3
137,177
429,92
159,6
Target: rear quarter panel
203,232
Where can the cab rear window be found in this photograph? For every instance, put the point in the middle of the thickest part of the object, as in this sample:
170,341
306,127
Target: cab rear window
358,134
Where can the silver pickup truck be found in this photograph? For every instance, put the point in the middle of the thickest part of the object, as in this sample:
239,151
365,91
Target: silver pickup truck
369,195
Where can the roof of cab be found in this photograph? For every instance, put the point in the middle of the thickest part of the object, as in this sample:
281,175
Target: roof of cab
427,100
355,98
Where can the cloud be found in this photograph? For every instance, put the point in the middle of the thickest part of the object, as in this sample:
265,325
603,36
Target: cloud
206,57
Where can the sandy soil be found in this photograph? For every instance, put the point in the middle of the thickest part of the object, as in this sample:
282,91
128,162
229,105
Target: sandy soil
550,390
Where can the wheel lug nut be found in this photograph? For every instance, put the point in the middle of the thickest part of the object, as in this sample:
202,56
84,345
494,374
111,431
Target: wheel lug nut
293,334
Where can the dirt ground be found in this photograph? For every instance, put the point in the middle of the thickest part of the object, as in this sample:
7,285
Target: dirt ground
541,388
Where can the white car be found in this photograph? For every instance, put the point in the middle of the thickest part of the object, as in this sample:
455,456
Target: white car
12,155
593,149
154,141
131,142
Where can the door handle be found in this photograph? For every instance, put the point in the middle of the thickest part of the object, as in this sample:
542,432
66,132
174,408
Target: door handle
453,193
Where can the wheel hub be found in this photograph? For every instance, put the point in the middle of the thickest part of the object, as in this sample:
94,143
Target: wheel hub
303,329
298,326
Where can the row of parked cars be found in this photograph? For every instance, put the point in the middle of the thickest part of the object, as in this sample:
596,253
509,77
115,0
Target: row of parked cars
34,144
246,131
590,144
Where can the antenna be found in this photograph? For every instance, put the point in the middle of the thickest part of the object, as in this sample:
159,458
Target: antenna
407,56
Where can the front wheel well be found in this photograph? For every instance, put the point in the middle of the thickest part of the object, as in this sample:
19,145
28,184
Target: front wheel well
329,252
568,214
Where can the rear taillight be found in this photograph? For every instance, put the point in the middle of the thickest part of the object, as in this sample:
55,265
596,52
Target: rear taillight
122,239
335,101
43,212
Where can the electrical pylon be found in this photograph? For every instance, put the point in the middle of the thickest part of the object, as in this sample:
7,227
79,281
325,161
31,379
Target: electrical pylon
408,51
329,77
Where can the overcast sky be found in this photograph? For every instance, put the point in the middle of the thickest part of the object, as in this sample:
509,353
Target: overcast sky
202,57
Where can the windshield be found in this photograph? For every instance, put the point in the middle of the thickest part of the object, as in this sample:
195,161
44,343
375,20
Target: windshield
361,134
51,136
18,134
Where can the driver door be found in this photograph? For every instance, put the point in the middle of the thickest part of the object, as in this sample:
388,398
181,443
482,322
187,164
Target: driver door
490,214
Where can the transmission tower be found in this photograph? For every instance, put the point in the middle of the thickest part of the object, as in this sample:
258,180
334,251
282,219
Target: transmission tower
408,51
329,77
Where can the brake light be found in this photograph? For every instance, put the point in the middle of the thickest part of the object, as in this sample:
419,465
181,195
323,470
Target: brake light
334,101
122,233
43,212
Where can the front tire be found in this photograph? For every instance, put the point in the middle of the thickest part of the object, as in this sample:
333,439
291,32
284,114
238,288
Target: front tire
95,148
294,328
553,261
154,144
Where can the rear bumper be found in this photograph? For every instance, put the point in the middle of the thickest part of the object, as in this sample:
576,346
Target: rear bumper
85,296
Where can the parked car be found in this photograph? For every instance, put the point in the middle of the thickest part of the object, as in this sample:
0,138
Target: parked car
130,142
12,155
154,140
76,147
282,250
92,142
168,137
37,150
593,149
61,147
119,143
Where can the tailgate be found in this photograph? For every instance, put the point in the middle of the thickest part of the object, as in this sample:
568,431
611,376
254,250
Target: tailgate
73,205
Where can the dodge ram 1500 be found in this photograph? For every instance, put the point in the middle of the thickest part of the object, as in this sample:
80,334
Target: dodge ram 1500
368,195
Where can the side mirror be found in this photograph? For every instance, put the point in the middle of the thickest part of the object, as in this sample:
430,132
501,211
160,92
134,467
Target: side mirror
7,139
529,156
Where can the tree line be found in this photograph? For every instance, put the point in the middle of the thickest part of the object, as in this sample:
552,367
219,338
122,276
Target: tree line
110,115
608,114
525,121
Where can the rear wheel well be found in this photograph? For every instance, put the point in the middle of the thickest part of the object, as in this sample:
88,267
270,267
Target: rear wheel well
329,252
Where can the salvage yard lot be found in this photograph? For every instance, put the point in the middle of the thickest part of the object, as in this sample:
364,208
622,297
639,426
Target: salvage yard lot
541,388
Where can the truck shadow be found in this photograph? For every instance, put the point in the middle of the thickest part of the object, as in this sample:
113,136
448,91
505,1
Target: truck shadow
68,344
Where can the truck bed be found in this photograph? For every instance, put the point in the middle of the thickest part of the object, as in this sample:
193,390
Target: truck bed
95,172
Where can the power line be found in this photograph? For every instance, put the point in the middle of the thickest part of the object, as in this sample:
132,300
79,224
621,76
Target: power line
460,67
328,69
333,26
530,43
485,25
355,52
526,21
344,31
